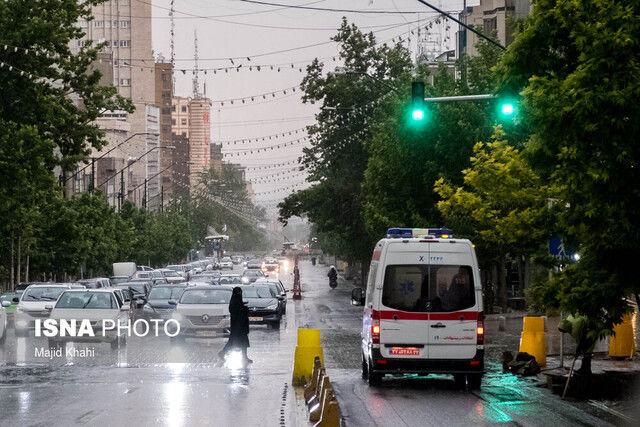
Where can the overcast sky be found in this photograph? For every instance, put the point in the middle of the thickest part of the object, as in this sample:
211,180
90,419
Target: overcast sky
232,29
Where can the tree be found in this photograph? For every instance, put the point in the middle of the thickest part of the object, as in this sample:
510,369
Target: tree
577,66
337,158
50,100
502,205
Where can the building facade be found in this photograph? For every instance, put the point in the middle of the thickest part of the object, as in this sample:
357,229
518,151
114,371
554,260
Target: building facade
497,16
163,98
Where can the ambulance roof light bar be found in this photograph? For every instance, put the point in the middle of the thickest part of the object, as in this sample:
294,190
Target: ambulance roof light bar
408,233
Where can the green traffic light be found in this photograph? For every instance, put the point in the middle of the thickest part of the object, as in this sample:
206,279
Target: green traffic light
507,109
417,114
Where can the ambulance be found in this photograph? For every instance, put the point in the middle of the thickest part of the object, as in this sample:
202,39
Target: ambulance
423,310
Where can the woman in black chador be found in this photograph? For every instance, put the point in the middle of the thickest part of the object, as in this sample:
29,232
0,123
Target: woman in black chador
239,337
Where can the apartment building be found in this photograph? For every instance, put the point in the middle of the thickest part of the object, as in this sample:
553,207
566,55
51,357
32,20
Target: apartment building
495,15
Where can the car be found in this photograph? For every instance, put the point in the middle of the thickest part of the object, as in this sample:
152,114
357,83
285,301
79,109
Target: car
96,305
226,262
157,306
13,298
138,292
96,283
118,279
144,268
209,277
278,289
254,264
270,265
230,279
237,259
179,268
423,307
4,323
202,311
32,304
172,276
264,306
251,275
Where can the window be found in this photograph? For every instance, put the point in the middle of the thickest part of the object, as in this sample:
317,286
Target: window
107,24
173,108
424,288
490,25
115,24
82,43
173,122
125,24
183,121
82,24
166,94
115,43
184,134
125,43
371,281
98,24
125,82
115,62
166,110
124,1
184,109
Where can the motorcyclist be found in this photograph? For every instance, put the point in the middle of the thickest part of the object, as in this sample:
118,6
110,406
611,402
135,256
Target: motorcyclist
332,274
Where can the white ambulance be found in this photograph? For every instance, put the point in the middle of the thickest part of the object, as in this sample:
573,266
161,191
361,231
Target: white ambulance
422,307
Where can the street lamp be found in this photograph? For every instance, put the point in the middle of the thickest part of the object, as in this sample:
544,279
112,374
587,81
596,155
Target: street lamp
93,160
121,172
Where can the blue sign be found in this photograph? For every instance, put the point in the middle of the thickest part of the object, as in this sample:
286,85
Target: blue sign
558,250
216,247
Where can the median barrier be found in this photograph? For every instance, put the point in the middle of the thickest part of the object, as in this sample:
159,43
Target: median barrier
307,350
324,409
330,415
318,401
622,343
532,339
312,386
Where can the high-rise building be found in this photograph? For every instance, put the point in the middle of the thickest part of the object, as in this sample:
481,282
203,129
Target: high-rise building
495,15
163,97
190,119
123,27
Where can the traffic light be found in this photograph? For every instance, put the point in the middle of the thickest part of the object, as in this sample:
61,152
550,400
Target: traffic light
418,112
507,108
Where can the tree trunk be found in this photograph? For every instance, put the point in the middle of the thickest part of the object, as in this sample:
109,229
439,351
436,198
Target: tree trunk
520,275
585,367
26,267
527,271
502,287
12,277
19,275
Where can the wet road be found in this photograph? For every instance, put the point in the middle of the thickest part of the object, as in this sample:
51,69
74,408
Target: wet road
152,382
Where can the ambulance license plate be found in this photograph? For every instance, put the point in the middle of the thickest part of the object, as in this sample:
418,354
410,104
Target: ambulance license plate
405,351
255,319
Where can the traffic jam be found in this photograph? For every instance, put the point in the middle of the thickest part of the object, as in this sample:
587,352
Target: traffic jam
181,301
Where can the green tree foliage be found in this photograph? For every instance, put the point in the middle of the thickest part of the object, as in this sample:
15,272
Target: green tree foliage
337,158
578,66
502,204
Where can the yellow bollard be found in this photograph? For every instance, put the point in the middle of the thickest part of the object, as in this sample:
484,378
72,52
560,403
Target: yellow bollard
533,340
316,409
307,350
308,337
622,344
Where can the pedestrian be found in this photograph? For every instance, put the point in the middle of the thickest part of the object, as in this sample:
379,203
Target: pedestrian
239,336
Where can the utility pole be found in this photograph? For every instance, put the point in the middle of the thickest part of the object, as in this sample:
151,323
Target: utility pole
144,198
162,198
121,195
93,173
463,43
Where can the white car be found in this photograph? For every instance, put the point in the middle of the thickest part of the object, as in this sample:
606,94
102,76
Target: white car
33,304
423,309
3,321
96,305
226,262
202,311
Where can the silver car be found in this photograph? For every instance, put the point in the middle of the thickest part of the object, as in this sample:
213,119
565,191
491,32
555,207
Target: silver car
33,304
96,305
202,311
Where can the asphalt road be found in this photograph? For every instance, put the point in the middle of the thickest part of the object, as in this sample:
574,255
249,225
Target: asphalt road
151,382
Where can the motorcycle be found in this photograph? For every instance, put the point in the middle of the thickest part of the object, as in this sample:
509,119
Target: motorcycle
333,283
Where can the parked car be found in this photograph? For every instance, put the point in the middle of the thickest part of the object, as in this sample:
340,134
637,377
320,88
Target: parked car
157,306
254,264
13,298
33,304
96,305
119,279
138,293
264,306
96,283
202,311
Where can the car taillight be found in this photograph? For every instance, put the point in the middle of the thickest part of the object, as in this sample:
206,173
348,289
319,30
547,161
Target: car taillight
375,327
480,328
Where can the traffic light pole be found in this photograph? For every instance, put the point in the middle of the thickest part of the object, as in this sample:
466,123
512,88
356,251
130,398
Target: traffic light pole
461,98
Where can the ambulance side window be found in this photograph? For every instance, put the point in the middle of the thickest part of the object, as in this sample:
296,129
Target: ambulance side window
371,282
406,288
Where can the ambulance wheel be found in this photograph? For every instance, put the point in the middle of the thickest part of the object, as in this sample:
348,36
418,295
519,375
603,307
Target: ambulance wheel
460,380
373,378
364,368
474,381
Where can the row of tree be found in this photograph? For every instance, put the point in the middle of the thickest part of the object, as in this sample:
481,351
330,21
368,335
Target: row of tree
566,166
51,98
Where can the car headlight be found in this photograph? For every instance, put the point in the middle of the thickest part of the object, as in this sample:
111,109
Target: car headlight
19,310
272,306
